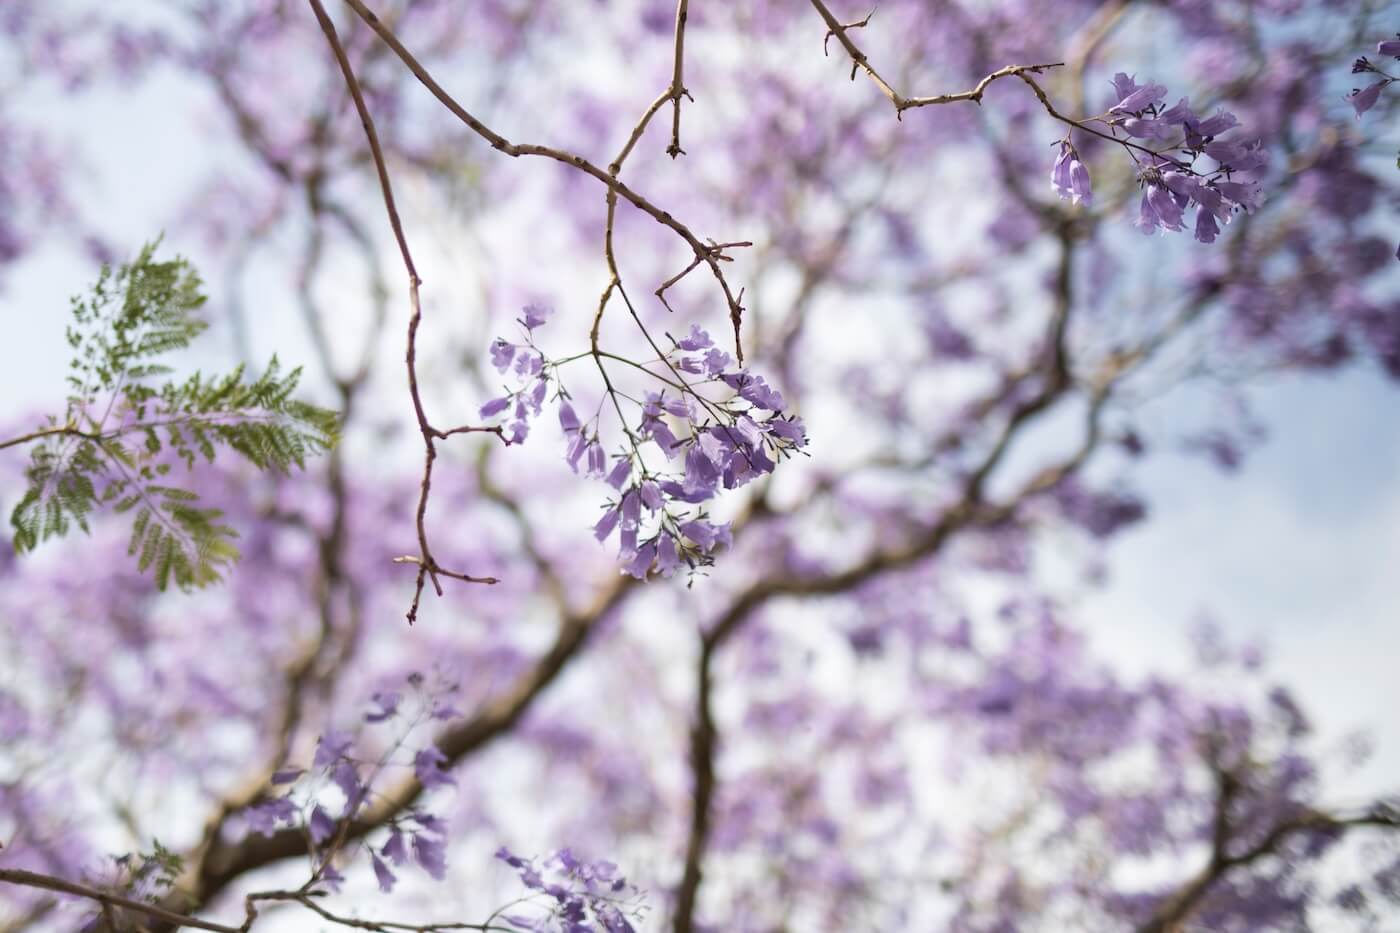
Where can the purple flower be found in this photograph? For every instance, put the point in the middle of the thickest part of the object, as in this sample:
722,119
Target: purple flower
395,849
568,420
606,524
505,855
641,562
388,704
1158,209
1179,113
620,472
666,557
264,816
321,826
330,748
698,339
705,534
495,407
431,854
348,780
427,767
597,459
631,509
535,315
715,361
576,449
382,874
1069,177
791,430
754,390
1363,99
287,775
1146,128
1216,124
502,353
1206,227
1388,47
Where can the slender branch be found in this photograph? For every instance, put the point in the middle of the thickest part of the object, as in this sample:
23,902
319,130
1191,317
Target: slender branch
428,568
29,879
65,431
677,89
611,181
382,926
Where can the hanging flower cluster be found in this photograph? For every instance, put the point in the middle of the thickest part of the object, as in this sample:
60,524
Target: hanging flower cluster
1173,140
709,428
1364,98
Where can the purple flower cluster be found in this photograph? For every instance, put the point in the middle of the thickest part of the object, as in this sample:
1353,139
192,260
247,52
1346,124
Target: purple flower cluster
713,444
1069,177
527,363
1170,183
1363,99
577,892
334,764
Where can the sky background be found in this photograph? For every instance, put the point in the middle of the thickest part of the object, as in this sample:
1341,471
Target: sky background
1300,549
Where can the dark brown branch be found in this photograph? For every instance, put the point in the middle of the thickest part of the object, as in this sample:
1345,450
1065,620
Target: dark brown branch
1176,910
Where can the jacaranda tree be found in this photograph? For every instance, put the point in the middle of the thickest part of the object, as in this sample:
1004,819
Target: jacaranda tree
644,526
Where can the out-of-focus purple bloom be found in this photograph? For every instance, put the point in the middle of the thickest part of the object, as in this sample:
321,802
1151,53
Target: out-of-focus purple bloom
395,848
535,315
264,817
347,778
427,767
388,703
1389,47
431,854
382,874
1363,99
641,562
331,747
321,826
698,339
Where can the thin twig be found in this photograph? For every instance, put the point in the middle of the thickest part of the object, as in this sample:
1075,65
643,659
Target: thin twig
611,181
428,568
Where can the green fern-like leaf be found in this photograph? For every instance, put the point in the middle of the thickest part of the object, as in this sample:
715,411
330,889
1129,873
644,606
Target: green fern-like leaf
114,446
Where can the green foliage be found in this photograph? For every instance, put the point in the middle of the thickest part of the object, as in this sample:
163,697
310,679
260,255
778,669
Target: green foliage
125,432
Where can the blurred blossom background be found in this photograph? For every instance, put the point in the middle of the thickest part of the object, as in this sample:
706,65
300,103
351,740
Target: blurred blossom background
1082,590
